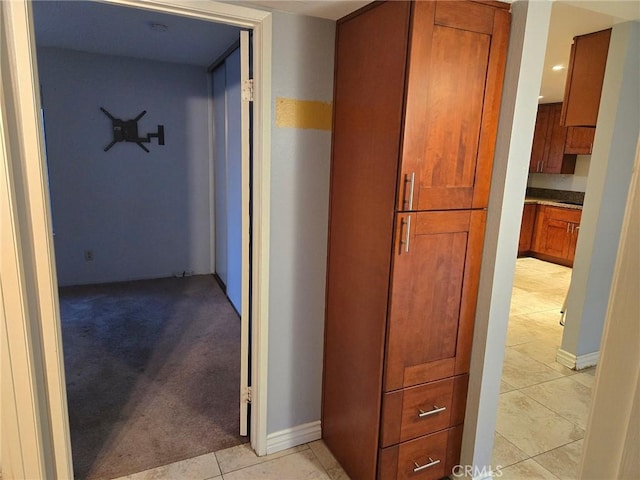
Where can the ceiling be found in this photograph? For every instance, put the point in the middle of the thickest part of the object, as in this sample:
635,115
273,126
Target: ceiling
571,18
103,28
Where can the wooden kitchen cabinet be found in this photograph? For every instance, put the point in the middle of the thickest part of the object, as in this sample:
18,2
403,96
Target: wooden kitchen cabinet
526,228
556,234
548,154
580,140
585,76
417,96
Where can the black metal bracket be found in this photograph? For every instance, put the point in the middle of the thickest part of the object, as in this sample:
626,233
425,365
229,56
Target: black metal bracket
127,131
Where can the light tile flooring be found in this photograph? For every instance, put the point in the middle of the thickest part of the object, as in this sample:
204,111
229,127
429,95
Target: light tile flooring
543,406
542,410
311,461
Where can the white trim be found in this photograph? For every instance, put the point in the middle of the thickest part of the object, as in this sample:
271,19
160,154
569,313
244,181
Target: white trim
51,413
42,363
245,199
262,45
294,436
579,362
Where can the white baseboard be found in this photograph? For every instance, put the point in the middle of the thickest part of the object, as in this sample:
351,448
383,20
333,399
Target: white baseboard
292,437
579,362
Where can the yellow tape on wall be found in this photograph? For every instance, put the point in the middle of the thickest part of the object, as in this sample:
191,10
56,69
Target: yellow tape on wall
292,113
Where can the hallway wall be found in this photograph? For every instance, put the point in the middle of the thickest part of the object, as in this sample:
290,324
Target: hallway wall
142,215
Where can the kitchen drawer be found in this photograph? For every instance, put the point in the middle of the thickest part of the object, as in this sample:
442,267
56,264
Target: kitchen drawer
426,458
423,409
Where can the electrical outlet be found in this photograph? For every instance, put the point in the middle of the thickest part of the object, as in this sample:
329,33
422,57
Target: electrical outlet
88,255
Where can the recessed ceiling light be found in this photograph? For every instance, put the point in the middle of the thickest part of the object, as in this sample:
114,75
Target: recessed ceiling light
557,67
540,97
158,27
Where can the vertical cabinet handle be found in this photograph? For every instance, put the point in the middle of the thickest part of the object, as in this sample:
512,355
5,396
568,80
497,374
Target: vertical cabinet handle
418,467
411,180
435,410
568,227
406,222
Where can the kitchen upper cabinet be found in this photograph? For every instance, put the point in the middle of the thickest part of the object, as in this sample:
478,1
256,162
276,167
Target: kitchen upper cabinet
556,234
580,140
446,155
548,153
527,227
584,79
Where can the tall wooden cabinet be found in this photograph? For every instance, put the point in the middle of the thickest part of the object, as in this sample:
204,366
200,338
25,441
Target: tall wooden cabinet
417,95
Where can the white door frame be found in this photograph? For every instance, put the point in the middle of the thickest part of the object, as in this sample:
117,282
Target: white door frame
40,440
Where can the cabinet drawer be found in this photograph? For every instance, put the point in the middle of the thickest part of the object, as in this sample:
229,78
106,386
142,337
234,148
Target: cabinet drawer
426,458
416,411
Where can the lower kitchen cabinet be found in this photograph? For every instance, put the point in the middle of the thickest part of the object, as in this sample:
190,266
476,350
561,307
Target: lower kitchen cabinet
526,228
556,234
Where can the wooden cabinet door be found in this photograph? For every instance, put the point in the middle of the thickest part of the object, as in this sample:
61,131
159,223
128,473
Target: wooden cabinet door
434,287
584,79
369,91
526,227
573,241
580,140
556,238
456,67
539,146
555,161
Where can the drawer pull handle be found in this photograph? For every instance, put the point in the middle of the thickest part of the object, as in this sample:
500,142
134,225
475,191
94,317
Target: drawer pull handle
407,235
409,179
435,410
431,463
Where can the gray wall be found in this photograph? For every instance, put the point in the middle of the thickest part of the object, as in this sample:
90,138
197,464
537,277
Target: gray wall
303,50
143,215
614,152
577,182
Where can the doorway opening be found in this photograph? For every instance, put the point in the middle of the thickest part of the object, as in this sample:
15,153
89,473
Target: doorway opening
152,346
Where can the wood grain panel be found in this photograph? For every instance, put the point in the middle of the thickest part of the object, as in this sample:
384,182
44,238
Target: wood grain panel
580,140
431,305
369,88
491,108
556,160
453,114
584,79
539,145
473,261
399,461
401,420
526,228
423,451
474,17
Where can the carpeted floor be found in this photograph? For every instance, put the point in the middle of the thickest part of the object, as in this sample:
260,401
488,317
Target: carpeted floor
152,371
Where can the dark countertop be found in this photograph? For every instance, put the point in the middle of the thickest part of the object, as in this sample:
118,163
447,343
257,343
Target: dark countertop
555,198
553,203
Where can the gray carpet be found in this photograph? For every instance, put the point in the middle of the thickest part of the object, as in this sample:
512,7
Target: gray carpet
152,371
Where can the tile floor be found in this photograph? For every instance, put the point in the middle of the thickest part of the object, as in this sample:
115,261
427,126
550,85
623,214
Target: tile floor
542,410
311,461
543,406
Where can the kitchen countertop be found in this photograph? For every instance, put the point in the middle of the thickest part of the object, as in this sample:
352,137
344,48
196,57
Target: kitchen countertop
553,203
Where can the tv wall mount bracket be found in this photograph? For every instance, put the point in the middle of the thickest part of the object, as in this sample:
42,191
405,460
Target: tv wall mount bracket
127,131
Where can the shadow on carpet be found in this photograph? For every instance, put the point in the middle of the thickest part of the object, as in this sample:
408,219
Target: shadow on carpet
152,371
